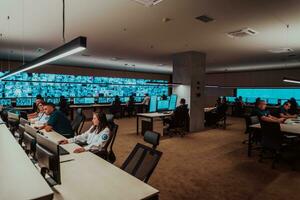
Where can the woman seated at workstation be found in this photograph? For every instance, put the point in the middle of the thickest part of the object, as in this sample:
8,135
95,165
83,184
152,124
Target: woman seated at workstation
95,138
41,117
36,110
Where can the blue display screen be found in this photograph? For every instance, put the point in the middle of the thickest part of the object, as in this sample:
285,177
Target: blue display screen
163,105
5,102
56,85
173,102
273,101
268,93
53,100
230,99
102,100
87,100
24,102
153,104
250,100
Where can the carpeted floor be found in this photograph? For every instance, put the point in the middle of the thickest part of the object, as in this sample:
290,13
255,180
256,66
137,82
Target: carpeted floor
209,165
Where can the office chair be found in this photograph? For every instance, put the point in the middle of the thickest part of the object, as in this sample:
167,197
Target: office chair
273,141
142,161
180,123
78,121
107,151
254,135
13,122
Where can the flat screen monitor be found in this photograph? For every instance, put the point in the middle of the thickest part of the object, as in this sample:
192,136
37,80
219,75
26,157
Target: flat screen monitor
230,99
54,100
298,102
102,100
163,105
5,102
173,102
47,155
250,100
283,101
24,102
138,99
124,99
273,101
153,104
80,101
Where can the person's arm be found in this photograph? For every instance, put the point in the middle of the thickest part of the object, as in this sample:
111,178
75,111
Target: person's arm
270,118
100,142
81,138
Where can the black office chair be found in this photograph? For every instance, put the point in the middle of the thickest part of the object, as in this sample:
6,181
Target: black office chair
78,121
254,135
143,159
273,141
180,123
107,151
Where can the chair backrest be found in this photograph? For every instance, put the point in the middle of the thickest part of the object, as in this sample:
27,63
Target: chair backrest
78,121
152,138
110,118
23,121
141,162
181,118
114,131
272,137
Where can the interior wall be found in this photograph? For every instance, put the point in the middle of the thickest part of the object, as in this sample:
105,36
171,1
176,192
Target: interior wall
265,78
86,71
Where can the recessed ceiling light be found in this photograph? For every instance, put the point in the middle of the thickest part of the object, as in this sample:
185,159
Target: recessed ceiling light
242,33
160,64
148,3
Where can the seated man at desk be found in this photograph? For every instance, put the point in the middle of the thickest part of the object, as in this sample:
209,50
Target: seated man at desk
95,138
179,117
264,115
57,122
284,111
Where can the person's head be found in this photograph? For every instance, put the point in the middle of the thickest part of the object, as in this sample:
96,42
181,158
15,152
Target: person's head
219,100
38,101
262,105
40,107
39,96
293,100
287,105
240,98
182,101
224,100
146,94
99,121
49,108
61,98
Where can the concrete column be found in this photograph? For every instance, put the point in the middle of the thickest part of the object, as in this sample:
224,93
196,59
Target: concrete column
189,69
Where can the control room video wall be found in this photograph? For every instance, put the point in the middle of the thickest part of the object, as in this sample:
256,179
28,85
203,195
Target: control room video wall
56,85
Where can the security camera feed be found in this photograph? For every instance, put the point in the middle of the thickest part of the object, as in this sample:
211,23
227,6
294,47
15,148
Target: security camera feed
5,102
163,105
153,104
87,100
53,100
24,102
173,102
56,85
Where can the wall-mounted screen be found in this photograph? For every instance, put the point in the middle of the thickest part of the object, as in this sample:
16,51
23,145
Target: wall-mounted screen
230,99
24,102
88,100
53,100
275,93
56,85
5,102
163,105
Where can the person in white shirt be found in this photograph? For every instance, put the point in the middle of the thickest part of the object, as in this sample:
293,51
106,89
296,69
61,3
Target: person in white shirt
95,138
146,103
41,117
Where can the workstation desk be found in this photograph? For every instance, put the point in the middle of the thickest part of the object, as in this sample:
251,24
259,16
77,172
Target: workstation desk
86,176
19,178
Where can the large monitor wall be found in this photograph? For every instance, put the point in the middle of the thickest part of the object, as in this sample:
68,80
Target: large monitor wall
56,85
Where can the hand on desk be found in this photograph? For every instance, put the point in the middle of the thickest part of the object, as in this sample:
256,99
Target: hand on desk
63,141
79,150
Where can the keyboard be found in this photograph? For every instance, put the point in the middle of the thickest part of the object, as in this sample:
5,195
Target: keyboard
62,151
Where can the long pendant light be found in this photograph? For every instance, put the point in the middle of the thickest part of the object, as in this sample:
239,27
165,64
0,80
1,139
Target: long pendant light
72,47
289,80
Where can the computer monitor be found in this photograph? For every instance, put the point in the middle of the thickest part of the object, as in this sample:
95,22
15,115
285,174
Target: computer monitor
102,100
153,104
163,105
138,99
250,100
283,101
5,102
89,100
273,101
173,102
47,156
124,99
54,100
24,102
231,99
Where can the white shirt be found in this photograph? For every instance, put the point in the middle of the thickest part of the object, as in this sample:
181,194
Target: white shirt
95,141
146,100
42,118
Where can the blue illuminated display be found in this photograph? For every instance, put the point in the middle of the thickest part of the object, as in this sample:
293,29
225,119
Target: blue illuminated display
56,85
163,105
173,102
153,104
269,93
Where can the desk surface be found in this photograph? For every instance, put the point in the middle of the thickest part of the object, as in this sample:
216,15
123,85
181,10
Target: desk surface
90,177
99,105
19,179
288,128
154,115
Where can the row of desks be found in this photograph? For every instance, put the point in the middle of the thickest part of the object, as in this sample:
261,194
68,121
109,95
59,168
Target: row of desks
83,176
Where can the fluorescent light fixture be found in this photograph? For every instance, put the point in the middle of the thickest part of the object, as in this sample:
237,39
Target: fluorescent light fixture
211,86
161,83
288,80
72,47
